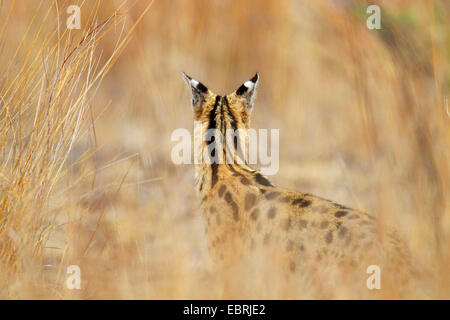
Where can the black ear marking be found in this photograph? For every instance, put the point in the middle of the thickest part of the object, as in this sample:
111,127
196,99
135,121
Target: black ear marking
248,90
241,90
198,89
202,87
194,84
248,86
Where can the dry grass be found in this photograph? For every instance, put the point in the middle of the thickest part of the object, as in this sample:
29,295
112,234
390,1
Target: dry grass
86,116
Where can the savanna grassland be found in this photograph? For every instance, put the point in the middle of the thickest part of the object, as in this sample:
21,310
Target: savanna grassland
86,117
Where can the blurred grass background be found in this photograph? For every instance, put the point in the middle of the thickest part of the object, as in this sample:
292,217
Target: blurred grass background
86,117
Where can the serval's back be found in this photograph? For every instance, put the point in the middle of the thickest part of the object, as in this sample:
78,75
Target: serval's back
244,213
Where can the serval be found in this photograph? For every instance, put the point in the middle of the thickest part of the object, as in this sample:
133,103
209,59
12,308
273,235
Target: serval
244,212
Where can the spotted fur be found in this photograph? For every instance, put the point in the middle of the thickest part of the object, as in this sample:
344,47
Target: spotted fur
246,210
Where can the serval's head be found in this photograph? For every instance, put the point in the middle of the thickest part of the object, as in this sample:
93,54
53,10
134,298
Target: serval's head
230,111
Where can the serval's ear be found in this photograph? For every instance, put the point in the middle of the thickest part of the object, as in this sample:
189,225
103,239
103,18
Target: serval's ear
199,90
247,91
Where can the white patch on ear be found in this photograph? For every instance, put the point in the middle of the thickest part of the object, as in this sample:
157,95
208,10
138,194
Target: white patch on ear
194,83
247,90
251,91
250,85
196,89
